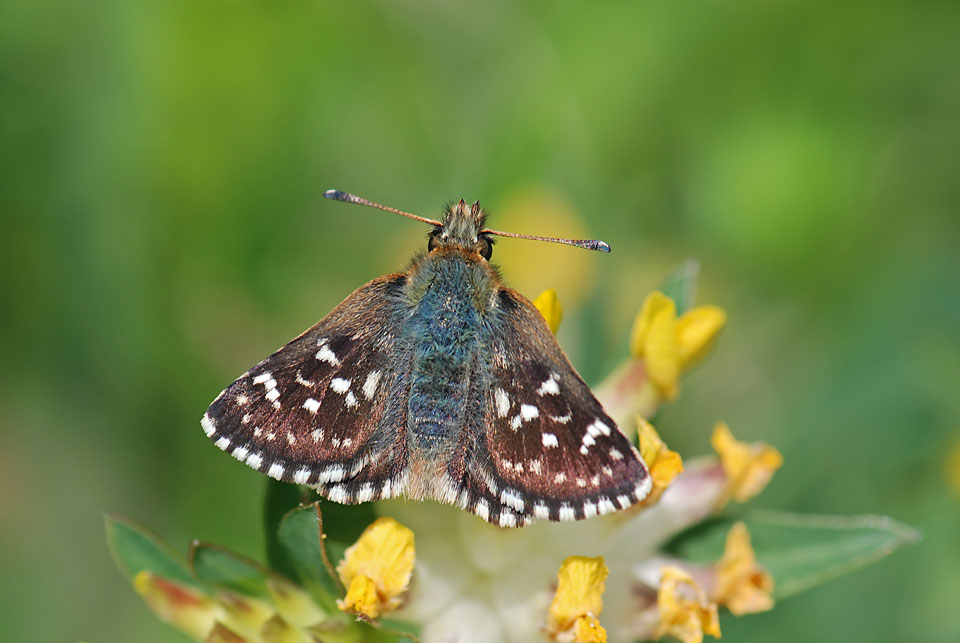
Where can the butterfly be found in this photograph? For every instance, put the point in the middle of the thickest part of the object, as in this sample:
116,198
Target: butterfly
435,383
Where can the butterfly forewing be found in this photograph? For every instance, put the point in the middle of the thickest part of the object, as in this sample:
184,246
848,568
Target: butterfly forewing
313,412
548,450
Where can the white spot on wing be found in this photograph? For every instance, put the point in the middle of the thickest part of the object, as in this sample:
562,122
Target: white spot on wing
503,402
549,440
482,509
605,506
209,427
302,475
550,387
589,509
541,511
615,454
303,382
340,385
338,494
223,443
254,460
370,385
528,412
512,498
276,471
508,519
311,405
351,400
566,513
366,493
326,355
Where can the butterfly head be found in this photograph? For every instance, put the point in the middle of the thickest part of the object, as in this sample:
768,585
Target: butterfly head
462,227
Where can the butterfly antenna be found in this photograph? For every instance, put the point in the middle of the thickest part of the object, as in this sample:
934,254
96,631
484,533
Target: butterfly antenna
346,197
588,244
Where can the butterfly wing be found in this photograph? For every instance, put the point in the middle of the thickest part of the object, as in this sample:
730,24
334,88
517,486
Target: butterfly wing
318,411
546,449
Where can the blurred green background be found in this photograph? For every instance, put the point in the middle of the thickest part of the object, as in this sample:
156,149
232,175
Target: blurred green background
163,165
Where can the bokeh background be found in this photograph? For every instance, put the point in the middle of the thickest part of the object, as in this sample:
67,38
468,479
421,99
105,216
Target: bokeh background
162,167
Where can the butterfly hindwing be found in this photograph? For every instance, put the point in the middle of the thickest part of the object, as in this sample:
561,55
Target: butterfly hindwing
547,449
317,411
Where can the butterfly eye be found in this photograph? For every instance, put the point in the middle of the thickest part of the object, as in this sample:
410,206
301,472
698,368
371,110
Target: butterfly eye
485,248
432,239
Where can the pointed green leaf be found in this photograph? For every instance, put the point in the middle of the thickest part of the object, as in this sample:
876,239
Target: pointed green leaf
681,285
223,568
136,549
801,550
300,538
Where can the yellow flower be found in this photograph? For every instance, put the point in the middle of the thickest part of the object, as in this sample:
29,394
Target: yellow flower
684,611
578,601
183,607
664,464
549,306
742,585
747,466
377,569
696,330
669,345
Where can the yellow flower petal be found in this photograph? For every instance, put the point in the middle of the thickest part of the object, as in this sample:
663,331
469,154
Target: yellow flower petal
747,466
185,608
696,330
654,338
580,584
669,345
742,585
664,464
588,630
377,569
683,608
549,306
361,597
653,306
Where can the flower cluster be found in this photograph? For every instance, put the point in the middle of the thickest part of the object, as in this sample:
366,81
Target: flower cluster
430,572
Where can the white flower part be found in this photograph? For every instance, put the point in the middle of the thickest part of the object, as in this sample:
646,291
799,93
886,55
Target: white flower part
466,621
477,582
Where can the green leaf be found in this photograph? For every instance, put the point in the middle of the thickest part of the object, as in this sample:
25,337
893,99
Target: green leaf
136,549
301,541
279,499
223,568
681,285
801,550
